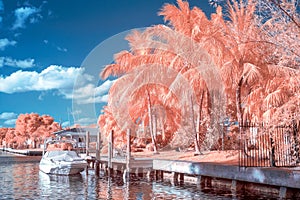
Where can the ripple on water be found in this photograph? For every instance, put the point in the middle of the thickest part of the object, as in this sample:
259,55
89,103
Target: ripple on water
23,180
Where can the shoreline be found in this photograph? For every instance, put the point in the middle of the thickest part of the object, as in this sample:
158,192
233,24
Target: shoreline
212,167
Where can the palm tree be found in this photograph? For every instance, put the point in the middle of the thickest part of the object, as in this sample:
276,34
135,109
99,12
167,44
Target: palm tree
204,56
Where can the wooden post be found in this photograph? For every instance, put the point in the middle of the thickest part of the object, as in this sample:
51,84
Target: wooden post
140,172
150,175
181,178
97,169
110,152
128,150
237,186
282,192
126,174
87,143
162,175
157,175
175,178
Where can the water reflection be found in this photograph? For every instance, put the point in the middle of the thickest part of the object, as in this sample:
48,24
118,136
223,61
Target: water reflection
25,181
64,186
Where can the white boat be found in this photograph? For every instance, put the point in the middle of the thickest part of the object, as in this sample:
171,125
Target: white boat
61,161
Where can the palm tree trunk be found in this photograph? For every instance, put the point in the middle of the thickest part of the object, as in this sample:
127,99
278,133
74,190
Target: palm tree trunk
163,133
197,148
199,120
151,123
239,101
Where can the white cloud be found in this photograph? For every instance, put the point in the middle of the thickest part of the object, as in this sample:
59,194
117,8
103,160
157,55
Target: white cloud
7,61
91,94
35,19
22,14
61,80
53,77
61,49
5,42
10,122
8,115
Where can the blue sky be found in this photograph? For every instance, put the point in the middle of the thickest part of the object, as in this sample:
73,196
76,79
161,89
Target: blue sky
50,50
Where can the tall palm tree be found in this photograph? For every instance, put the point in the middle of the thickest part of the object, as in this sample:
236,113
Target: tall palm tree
204,56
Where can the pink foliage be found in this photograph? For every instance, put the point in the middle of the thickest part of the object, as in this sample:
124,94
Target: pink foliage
259,76
29,126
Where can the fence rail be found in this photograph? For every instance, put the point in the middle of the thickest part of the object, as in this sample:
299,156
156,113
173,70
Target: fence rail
269,146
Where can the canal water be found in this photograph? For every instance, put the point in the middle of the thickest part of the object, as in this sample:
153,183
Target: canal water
20,178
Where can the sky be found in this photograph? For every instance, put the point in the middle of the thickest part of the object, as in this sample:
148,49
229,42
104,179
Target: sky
52,52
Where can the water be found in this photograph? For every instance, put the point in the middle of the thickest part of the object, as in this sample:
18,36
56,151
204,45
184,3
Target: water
20,178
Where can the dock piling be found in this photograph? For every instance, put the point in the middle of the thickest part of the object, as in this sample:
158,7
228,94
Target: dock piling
128,156
110,153
98,147
87,143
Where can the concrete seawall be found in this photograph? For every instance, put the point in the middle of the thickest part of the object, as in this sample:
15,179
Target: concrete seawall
271,176
285,180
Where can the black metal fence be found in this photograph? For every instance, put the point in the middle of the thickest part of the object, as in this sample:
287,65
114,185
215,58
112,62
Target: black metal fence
269,146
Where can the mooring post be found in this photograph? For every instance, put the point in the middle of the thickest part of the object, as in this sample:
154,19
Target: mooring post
175,178
162,175
181,178
110,152
159,175
87,143
97,169
140,172
126,174
128,152
150,175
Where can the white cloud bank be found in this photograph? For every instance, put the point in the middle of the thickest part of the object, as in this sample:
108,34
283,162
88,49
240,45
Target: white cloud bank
60,79
53,77
4,42
10,122
7,61
8,115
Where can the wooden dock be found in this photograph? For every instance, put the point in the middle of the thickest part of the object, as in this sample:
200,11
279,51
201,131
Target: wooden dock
285,181
25,152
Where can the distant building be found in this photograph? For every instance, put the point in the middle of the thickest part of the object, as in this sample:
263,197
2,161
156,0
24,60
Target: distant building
79,134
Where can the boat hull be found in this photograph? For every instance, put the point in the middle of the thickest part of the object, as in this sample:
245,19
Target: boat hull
62,168
62,163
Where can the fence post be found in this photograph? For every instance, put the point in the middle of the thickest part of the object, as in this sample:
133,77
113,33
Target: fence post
272,153
296,127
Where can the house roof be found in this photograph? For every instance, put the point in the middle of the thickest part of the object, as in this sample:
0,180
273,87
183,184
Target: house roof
78,131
